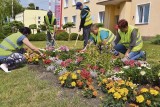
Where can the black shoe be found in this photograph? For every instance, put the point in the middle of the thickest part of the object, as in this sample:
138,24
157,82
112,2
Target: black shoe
144,57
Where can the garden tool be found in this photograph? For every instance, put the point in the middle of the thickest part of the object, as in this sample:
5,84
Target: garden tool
76,40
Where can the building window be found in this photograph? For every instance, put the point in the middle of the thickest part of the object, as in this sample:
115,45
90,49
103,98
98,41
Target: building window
142,13
65,20
39,17
74,2
39,22
65,3
86,0
74,19
101,17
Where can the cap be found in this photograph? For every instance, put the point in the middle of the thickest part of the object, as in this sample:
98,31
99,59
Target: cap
78,5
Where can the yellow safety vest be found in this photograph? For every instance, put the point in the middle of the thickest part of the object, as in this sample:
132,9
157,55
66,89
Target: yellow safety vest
126,38
50,25
9,44
88,20
98,40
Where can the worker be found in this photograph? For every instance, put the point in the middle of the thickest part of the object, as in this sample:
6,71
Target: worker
50,22
86,21
11,54
101,36
129,41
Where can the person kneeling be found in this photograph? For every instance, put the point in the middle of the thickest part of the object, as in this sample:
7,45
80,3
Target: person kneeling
11,55
129,41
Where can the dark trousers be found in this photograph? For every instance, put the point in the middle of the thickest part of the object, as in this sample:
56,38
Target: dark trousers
86,34
50,41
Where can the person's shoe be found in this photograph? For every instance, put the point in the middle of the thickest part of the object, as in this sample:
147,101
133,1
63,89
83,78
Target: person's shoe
4,68
144,57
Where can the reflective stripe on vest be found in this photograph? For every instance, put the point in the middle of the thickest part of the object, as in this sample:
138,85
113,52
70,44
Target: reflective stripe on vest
126,38
11,43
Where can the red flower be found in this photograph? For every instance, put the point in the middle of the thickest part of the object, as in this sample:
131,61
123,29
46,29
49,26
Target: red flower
95,67
47,61
85,74
102,70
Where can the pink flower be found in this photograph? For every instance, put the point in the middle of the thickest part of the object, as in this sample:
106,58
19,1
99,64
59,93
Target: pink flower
79,59
95,67
85,74
102,70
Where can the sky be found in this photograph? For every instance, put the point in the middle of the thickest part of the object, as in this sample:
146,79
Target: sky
42,4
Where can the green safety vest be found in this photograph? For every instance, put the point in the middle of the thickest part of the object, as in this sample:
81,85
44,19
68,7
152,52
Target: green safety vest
88,20
50,25
9,44
126,38
98,40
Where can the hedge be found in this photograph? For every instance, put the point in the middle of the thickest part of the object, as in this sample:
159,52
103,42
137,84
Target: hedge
156,40
37,37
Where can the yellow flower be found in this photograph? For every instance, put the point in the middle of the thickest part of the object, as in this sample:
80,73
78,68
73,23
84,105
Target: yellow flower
36,59
144,90
153,92
74,76
62,82
104,80
148,102
73,84
140,99
120,82
130,84
125,91
124,98
121,91
60,78
64,78
112,90
78,71
117,95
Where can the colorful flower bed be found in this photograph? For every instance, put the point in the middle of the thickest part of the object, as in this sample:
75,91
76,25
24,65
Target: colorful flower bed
129,83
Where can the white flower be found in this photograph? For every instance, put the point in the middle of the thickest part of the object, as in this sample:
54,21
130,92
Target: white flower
142,73
121,72
126,67
139,68
50,68
143,65
93,74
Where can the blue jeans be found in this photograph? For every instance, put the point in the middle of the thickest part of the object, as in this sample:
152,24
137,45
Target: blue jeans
132,55
50,42
86,34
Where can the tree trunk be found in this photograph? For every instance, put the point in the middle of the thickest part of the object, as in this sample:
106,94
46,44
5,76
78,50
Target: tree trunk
69,34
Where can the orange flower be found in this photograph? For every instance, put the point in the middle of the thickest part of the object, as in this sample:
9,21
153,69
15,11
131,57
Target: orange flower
132,105
148,102
88,83
79,83
91,87
90,80
95,93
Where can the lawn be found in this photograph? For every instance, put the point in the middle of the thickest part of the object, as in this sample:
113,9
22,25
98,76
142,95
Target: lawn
24,88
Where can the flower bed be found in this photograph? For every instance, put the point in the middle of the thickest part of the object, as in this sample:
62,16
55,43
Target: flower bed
130,83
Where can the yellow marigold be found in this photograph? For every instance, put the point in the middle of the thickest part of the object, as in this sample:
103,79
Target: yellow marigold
144,90
74,76
140,99
154,92
73,84
125,91
111,84
62,82
78,71
112,90
117,95
121,91
60,78
120,82
130,84
104,80
36,59
64,78
124,98
148,102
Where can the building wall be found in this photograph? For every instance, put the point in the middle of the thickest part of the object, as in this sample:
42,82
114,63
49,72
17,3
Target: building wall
128,11
71,11
19,17
152,28
32,17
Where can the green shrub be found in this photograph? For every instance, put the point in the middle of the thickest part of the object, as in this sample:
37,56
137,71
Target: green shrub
156,40
62,36
6,29
80,37
2,36
73,36
37,37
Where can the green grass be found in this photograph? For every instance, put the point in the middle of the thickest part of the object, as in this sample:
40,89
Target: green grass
22,87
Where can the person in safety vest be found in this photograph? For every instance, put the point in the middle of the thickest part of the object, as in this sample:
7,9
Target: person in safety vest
11,54
129,41
86,21
101,36
50,22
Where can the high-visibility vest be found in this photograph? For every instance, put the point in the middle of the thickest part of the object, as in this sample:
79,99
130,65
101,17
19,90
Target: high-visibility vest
50,25
126,38
98,40
9,44
88,20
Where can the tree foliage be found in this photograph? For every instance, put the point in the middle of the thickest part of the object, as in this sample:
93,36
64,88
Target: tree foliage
31,6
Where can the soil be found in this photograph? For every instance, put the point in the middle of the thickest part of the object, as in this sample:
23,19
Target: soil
64,93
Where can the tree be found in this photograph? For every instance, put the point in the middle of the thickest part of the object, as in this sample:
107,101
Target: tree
33,26
69,25
31,6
